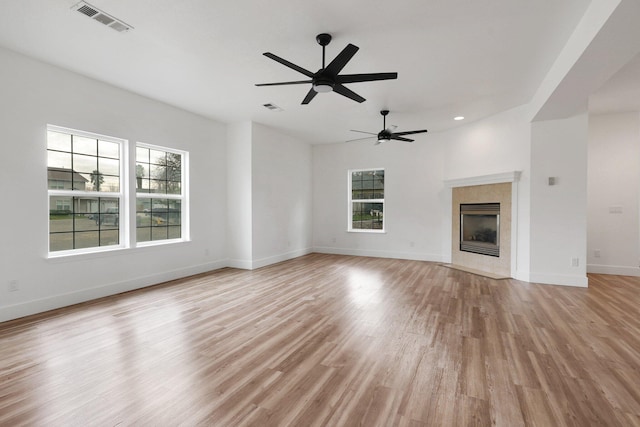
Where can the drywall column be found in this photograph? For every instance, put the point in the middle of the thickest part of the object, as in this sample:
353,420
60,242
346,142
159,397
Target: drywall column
559,201
239,229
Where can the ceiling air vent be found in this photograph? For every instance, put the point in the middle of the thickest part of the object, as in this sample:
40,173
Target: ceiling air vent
100,16
272,107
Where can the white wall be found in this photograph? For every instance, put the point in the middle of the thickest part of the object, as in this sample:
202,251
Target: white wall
413,198
34,95
418,206
558,212
613,194
281,196
239,193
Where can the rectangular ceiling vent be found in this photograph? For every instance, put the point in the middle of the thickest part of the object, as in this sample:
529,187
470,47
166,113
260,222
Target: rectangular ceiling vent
272,107
100,16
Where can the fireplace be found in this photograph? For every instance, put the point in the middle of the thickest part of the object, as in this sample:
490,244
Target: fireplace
480,228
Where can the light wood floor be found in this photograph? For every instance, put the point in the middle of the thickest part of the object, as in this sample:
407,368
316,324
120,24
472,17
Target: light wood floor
331,340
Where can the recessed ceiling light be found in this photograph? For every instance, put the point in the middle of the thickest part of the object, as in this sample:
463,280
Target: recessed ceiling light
458,118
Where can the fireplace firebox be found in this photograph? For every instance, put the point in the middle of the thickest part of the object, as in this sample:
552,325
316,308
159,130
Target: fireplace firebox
480,228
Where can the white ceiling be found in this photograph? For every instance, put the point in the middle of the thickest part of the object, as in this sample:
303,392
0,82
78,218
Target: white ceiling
620,93
453,57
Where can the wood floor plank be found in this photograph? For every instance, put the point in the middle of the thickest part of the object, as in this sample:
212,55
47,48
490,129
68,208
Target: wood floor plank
330,340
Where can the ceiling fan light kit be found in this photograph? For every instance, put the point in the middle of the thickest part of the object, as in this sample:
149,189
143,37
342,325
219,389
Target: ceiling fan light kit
328,78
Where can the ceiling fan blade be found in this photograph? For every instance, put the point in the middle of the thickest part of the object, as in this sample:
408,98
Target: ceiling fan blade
361,131
341,60
356,78
338,88
288,64
361,139
310,95
299,82
410,132
399,138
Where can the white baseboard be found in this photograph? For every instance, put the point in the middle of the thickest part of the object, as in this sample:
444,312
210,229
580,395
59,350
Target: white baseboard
63,300
263,262
523,276
247,264
559,279
381,254
242,264
620,270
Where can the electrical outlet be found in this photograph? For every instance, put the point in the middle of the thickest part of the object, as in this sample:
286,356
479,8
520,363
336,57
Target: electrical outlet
575,262
596,253
13,286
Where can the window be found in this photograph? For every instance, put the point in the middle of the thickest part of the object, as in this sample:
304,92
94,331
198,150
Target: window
366,200
84,175
160,193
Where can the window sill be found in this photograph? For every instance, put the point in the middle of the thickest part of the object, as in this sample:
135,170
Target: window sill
368,231
160,243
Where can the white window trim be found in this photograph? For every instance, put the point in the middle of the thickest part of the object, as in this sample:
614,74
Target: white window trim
121,195
184,197
350,201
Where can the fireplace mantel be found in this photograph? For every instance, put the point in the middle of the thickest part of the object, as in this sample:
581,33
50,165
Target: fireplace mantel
496,178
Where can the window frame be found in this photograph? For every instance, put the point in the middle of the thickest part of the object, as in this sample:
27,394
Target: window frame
121,195
350,202
183,196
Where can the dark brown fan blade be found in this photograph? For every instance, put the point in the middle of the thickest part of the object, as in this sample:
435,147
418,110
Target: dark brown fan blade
284,83
361,131
310,95
338,88
399,138
410,132
288,64
356,78
341,60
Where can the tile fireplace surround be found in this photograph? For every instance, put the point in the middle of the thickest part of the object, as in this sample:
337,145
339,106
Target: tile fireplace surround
497,188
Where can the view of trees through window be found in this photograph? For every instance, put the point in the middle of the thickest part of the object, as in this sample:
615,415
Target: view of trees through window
367,199
158,194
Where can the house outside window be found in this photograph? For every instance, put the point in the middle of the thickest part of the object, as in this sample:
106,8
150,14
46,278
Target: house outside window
160,194
85,186
366,200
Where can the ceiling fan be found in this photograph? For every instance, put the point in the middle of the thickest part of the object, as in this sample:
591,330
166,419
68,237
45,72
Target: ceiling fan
328,78
387,133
